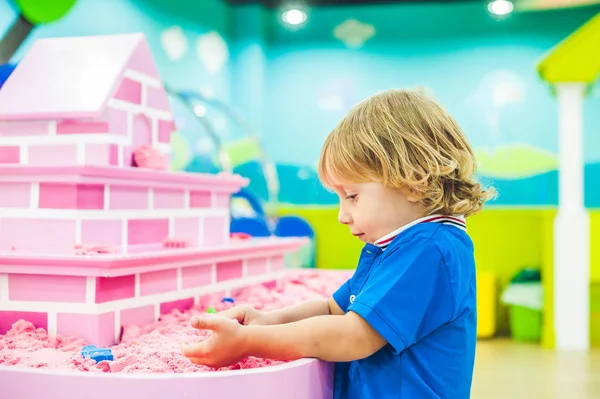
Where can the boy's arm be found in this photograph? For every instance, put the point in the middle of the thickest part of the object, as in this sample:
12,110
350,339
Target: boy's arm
331,338
303,311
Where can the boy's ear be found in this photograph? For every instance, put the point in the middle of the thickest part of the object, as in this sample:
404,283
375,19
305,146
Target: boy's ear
412,195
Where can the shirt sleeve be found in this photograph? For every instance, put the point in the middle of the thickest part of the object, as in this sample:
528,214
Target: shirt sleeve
407,296
342,295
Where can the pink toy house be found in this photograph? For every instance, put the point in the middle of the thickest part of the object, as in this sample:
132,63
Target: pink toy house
91,101
70,116
84,101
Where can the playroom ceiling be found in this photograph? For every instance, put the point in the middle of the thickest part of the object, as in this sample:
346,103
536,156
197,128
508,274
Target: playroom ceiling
278,3
523,5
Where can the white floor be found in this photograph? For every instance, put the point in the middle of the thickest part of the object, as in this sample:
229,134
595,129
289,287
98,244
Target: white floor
508,370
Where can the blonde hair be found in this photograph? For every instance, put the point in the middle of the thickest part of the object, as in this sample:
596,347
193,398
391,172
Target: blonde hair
404,139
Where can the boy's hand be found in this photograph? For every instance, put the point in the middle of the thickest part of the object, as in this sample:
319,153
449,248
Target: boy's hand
246,315
225,347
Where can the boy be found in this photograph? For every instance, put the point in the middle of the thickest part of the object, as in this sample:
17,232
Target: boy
404,325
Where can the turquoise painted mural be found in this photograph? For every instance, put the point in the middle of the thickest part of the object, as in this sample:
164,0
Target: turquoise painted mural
293,85
482,70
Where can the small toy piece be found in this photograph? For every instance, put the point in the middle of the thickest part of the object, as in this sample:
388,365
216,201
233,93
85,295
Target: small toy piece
171,242
211,310
228,299
240,236
149,157
97,354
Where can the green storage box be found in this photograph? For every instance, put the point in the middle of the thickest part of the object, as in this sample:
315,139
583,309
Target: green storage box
525,324
524,297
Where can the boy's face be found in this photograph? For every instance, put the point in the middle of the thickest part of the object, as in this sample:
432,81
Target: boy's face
371,210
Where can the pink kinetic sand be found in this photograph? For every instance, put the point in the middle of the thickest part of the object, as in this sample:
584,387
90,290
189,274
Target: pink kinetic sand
154,348
93,249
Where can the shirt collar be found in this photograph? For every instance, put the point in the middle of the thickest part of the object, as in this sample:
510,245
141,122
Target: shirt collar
457,221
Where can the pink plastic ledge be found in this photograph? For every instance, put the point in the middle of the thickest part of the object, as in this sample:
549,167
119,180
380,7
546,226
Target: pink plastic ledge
302,379
223,182
110,265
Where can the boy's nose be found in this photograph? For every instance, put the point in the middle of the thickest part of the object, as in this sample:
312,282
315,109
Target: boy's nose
344,217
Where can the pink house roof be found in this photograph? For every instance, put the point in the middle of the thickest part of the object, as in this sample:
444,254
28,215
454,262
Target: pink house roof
72,77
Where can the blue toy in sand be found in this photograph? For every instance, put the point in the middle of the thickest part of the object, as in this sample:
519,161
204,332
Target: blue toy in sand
97,354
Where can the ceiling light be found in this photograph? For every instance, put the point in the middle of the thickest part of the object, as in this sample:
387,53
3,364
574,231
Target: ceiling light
293,16
501,7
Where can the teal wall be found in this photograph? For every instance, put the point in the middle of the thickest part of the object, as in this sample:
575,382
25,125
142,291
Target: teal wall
293,85
482,70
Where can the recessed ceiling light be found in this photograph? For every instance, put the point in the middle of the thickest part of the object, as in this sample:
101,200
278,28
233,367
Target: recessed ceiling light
501,7
293,16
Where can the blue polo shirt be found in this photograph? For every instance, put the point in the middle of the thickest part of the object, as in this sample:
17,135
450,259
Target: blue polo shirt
416,288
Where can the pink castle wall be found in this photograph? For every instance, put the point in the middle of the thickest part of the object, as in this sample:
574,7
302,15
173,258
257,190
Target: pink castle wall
26,234
40,288
95,327
114,288
19,195
169,199
96,307
98,217
24,128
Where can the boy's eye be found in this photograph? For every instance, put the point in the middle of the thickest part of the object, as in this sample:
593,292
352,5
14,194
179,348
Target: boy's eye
351,197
